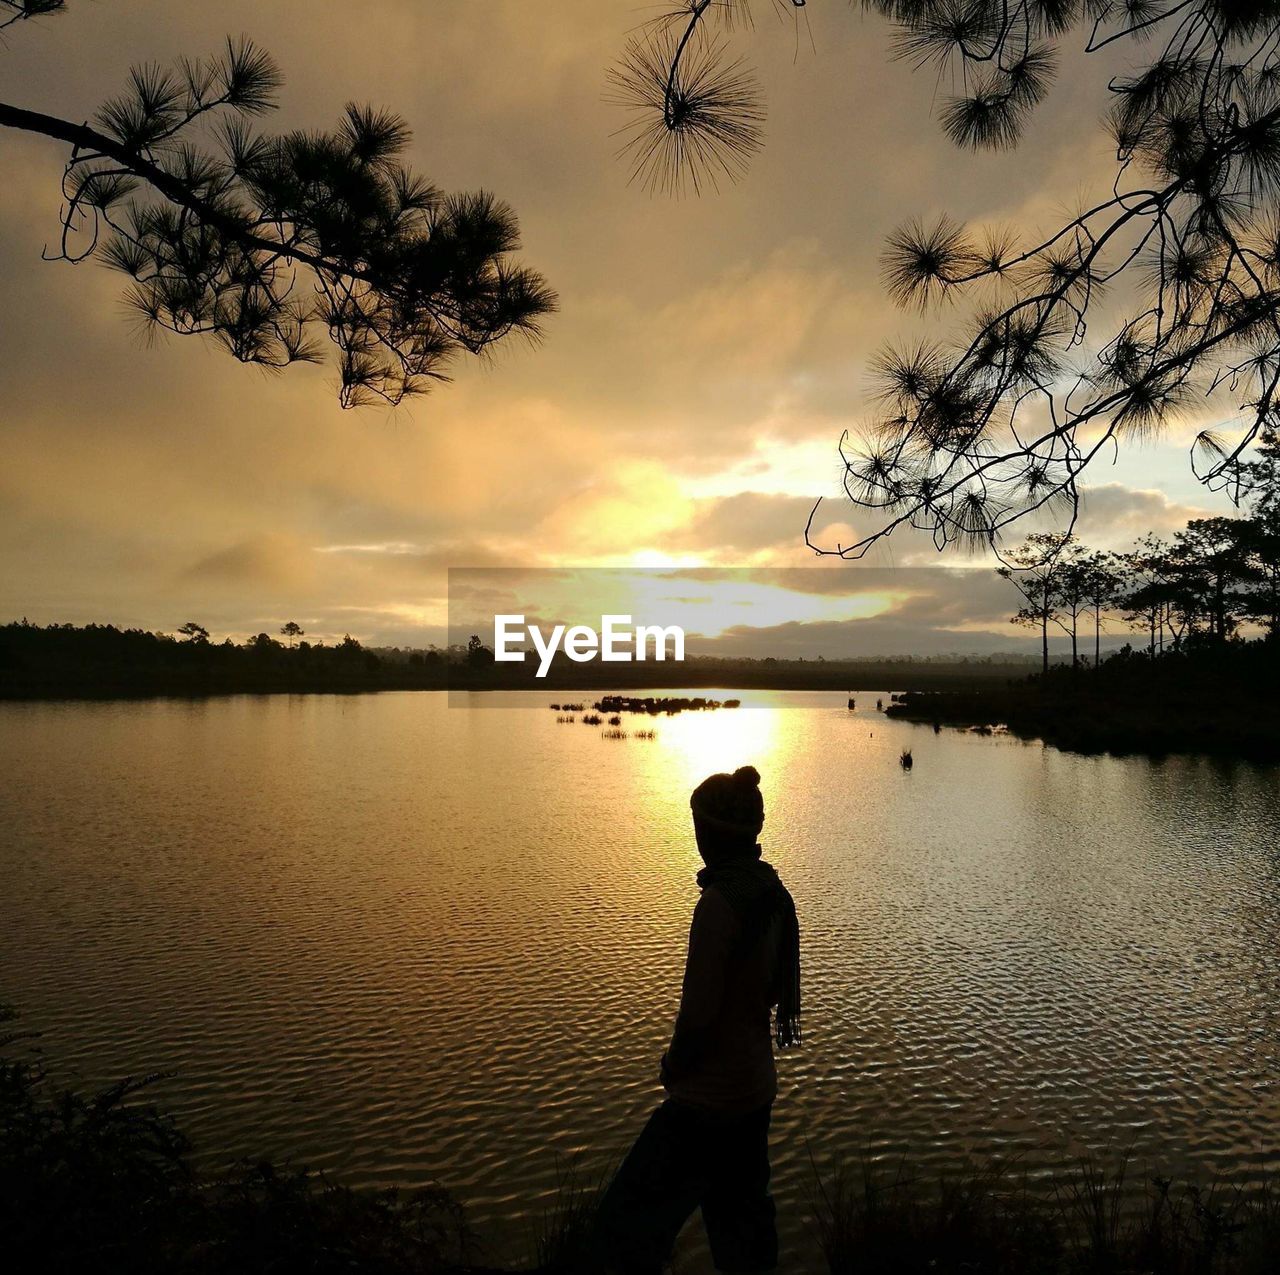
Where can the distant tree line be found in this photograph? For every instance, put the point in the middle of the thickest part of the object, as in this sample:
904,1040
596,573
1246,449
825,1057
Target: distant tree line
104,643
101,658
66,660
1198,589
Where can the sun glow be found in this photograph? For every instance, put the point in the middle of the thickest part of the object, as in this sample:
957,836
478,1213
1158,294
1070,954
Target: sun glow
703,602
697,744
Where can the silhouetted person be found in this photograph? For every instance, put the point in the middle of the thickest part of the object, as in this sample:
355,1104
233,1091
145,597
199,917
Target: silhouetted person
707,1145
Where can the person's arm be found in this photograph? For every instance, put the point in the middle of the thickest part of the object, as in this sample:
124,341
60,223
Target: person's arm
711,940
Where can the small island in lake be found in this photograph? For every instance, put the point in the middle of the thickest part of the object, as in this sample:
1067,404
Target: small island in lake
669,704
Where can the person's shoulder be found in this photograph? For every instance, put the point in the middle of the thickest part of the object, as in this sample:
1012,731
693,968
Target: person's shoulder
714,907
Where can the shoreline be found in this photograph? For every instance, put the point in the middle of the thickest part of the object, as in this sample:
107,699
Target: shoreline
839,679
1106,720
1120,720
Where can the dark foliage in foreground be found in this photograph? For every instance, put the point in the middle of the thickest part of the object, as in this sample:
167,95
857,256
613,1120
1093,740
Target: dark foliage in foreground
103,1184
1085,1221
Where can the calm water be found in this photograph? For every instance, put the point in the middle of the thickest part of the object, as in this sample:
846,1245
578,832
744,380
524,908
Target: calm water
406,941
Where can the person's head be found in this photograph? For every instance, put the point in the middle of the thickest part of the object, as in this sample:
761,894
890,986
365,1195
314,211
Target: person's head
728,813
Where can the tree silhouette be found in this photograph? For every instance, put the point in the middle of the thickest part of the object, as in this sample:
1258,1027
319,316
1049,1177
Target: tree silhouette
1211,555
220,227
195,633
479,656
1033,570
1150,593
695,115
12,11
1198,590
979,433
1072,592
1102,583
1262,536
293,630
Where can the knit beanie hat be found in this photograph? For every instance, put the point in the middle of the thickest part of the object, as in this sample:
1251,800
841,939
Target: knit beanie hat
730,806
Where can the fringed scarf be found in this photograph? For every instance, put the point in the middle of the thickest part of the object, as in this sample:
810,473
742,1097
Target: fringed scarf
758,897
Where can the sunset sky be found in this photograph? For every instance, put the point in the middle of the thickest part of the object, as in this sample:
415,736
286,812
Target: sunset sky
683,409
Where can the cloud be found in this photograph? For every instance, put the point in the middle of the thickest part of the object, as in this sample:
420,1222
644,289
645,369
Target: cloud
271,562
685,403
1114,516
624,513
731,527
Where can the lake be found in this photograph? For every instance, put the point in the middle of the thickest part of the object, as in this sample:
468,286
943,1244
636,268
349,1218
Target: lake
403,939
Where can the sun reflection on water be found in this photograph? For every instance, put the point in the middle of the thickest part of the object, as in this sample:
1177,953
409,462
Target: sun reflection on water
481,914
697,744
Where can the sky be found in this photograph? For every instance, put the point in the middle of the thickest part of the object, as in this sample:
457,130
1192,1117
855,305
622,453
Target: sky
683,409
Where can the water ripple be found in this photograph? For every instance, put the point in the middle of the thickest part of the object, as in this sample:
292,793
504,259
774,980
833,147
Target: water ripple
407,942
